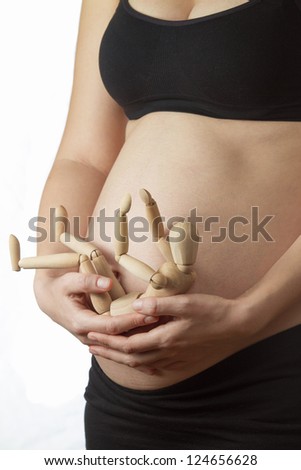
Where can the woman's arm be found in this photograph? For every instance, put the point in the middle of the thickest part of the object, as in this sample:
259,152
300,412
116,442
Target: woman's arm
276,292
93,136
94,131
208,328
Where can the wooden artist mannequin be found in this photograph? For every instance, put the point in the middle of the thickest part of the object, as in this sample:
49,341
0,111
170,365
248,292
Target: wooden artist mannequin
174,276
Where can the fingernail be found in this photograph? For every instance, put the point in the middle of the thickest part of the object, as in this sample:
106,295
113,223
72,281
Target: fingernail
150,319
92,337
103,282
138,304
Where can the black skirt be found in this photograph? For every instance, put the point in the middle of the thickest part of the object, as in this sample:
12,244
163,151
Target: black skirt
250,400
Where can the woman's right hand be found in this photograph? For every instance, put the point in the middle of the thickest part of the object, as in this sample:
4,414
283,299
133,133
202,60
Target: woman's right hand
64,299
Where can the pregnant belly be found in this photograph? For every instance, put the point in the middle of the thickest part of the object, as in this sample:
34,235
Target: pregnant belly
243,191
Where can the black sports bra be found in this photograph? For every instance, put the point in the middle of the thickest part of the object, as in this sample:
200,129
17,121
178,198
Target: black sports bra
242,63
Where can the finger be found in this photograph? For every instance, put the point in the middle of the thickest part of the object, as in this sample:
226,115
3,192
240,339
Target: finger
85,321
115,342
119,343
155,339
175,305
74,283
132,361
113,356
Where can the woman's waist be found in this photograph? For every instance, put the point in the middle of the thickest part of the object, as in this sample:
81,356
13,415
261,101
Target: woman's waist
214,371
259,356
187,138
187,126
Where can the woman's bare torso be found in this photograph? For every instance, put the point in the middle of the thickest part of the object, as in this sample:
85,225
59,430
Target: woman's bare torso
245,174
220,168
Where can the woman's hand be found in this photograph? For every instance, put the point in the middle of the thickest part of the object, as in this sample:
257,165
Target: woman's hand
64,299
202,329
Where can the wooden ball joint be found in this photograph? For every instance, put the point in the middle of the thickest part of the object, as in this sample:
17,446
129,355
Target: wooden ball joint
174,276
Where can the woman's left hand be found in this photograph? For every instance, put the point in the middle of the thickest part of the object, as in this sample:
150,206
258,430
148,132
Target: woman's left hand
202,329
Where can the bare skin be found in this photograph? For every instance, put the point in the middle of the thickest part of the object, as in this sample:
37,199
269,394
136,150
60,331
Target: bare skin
219,167
237,165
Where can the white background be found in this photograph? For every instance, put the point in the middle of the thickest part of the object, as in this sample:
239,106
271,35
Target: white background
43,368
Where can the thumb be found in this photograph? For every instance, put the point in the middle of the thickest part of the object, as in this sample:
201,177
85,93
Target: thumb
78,283
175,305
